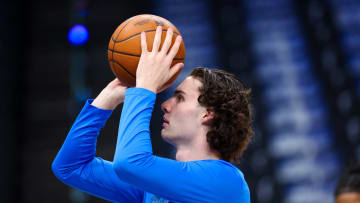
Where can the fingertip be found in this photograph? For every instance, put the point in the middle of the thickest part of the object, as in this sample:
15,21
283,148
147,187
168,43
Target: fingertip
180,65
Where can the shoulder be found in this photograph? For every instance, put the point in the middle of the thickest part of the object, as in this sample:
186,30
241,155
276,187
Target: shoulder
225,179
221,168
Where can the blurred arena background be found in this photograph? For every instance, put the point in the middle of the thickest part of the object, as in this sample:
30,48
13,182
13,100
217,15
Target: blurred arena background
300,57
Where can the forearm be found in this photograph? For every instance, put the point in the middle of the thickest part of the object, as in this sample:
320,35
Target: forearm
77,166
133,142
80,144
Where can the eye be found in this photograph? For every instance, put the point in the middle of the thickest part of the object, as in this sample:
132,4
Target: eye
179,97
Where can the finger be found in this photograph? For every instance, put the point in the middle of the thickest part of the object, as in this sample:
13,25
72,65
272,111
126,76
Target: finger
143,42
175,69
157,39
117,82
167,42
175,48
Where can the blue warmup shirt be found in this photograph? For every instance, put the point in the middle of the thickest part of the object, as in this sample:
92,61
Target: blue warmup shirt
136,175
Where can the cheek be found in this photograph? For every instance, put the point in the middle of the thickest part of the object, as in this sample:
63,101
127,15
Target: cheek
187,117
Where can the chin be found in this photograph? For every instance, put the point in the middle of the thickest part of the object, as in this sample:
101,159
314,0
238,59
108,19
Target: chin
167,138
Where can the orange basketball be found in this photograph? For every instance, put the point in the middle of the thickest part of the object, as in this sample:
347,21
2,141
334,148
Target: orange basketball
125,46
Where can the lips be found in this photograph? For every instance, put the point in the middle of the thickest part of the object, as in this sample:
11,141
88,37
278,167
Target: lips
165,120
165,123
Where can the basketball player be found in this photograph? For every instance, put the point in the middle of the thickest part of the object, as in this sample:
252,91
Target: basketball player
348,188
208,121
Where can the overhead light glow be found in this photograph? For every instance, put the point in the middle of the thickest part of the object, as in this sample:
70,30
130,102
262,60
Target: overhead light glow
78,35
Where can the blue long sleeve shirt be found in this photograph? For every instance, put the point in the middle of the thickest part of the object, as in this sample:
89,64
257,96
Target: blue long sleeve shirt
136,175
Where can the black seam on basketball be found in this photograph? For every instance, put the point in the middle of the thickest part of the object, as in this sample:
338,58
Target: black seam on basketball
138,34
124,53
123,68
120,31
112,54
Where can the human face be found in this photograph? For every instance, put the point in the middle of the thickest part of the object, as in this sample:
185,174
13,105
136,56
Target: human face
182,118
348,197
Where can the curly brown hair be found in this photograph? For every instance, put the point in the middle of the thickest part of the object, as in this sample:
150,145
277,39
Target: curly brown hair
350,181
225,95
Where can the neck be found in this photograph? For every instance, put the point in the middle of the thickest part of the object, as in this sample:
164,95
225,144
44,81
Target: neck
196,150
189,155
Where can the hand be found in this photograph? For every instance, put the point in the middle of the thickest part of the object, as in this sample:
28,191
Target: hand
111,96
154,67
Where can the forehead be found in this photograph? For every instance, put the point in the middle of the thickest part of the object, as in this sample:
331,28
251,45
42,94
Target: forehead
190,86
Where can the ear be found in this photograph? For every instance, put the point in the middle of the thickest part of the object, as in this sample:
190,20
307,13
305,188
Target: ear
207,117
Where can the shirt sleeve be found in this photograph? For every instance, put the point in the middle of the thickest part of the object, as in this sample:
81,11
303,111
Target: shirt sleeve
134,163
77,166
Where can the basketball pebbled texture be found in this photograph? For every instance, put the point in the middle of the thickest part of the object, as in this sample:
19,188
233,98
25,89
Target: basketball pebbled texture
124,48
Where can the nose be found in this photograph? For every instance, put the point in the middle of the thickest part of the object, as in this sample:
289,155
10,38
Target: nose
165,106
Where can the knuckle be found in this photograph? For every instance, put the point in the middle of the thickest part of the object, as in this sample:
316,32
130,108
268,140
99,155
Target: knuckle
160,57
168,59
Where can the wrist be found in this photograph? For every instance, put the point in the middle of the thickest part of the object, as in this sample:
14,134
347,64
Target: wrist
106,102
146,86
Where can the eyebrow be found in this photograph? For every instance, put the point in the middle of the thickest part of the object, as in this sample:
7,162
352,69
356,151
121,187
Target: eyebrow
179,92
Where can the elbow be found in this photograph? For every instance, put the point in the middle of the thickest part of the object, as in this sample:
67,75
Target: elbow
122,168
58,171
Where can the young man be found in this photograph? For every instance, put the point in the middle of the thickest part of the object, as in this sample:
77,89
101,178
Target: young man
208,120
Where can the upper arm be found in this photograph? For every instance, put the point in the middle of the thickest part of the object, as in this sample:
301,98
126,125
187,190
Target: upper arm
98,178
76,164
